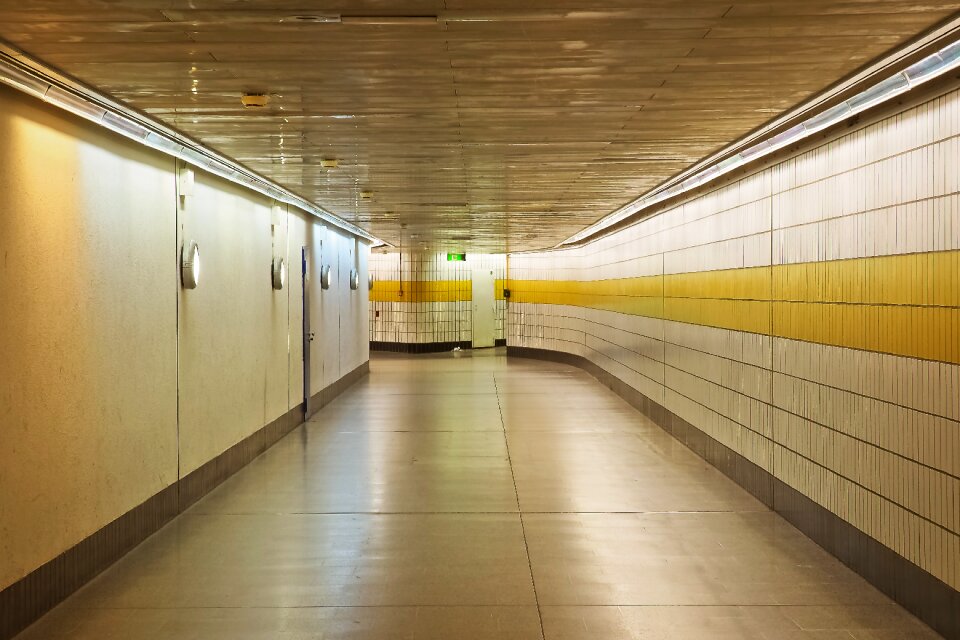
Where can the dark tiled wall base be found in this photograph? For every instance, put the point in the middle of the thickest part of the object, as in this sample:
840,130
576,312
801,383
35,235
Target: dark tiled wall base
29,598
206,478
325,396
429,347
927,597
411,347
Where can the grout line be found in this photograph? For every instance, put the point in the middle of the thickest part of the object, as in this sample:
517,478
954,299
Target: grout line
516,493
763,510
867,603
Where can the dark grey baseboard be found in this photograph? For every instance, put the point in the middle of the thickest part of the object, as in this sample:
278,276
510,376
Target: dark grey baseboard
427,347
325,396
29,598
422,347
927,597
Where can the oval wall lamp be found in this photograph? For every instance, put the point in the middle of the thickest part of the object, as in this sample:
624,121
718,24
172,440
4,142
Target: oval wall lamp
354,279
190,265
370,281
279,273
325,276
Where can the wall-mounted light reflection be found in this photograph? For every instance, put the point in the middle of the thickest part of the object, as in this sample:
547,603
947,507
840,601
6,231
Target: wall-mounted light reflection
190,265
279,273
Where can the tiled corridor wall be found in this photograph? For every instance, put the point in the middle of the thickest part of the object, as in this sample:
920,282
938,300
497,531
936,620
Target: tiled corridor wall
422,298
806,316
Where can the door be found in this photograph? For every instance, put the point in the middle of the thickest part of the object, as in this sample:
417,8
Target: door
307,333
484,312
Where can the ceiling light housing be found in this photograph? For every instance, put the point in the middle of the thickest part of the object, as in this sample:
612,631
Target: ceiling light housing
255,100
313,18
396,20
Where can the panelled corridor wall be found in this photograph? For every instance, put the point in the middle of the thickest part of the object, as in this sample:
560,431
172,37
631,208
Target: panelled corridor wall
805,316
125,396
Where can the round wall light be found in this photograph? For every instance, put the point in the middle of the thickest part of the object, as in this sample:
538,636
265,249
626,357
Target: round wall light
325,276
279,273
190,265
354,279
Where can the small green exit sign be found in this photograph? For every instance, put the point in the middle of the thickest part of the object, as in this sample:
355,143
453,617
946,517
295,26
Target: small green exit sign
456,257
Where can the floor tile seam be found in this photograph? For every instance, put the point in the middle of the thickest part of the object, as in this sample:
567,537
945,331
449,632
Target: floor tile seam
309,606
728,606
873,605
477,513
516,491
423,431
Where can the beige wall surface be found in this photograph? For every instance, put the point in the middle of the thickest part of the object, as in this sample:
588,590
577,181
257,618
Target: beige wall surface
233,327
97,338
88,344
806,316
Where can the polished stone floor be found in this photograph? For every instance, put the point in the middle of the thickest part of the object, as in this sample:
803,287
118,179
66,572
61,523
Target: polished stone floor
463,496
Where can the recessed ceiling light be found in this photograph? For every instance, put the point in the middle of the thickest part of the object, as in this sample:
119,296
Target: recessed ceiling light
314,18
255,100
366,195
398,20
329,163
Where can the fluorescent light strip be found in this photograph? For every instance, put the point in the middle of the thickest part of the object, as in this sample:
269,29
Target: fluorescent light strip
933,66
32,78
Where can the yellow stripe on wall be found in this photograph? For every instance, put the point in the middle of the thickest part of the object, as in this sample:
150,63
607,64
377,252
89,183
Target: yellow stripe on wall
905,305
422,291
428,291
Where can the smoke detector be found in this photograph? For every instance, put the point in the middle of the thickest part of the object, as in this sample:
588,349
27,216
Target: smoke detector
255,100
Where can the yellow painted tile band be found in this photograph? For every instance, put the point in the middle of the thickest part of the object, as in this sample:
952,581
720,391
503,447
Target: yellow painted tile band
905,305
921,279
429,291
422,291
